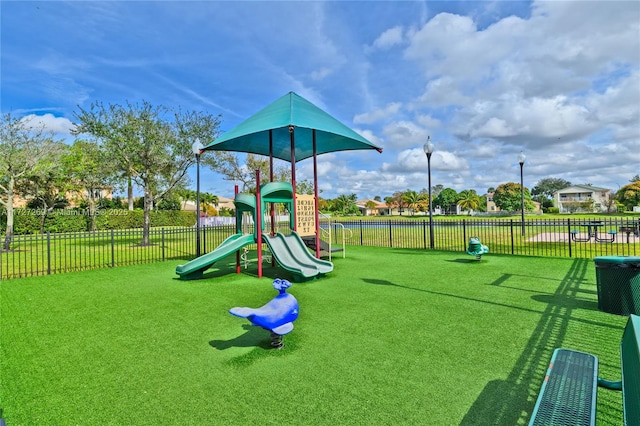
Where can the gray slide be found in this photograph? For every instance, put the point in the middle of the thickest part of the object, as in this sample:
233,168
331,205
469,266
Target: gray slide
293,255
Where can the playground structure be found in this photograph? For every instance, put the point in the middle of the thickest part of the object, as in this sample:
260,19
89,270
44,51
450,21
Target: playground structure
287,249
273,131
476,248
277,316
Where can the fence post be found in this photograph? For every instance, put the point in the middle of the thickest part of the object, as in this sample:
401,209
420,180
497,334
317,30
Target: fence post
361,243
512,242
204,240
163,244
569,234
424,233
113,251
464,233
48,253
390,234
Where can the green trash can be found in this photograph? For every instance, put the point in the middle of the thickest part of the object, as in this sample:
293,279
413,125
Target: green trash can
618,281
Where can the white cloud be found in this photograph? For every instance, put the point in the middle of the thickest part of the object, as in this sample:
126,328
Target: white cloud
49,123
321,73
378,115
428,121
443,91
370,136
403,134
415,160
389,38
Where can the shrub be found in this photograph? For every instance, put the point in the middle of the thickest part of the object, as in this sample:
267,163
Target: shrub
27,221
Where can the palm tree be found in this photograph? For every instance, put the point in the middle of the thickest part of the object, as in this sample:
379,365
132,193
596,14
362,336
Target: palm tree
469,200
345,204
415,201
207,199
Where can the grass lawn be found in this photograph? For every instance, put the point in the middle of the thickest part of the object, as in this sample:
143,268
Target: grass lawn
392,336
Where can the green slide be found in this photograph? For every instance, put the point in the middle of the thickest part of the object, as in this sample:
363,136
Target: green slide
196,267
293,255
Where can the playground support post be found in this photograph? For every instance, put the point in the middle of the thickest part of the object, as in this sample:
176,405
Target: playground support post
315,193
235,190
293,173
258,223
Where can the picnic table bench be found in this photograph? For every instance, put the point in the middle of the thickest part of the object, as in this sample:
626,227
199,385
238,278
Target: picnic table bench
568,393
592,232
630,228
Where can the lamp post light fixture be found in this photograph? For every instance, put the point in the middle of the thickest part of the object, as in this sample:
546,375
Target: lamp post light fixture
428,149
196,148
521,159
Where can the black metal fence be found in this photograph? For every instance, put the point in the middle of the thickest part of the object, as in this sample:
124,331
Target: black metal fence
583,238
45,254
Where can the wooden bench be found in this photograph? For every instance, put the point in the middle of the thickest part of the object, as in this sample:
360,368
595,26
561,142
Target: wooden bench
568,394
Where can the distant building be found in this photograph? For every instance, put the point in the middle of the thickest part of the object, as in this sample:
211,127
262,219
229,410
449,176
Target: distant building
223,202
491,205
581,198
75,198
369,207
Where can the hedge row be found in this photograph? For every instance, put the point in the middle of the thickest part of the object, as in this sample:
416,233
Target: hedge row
27,221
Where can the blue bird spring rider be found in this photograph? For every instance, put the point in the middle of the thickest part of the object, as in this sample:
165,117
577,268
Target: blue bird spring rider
277,316
476,248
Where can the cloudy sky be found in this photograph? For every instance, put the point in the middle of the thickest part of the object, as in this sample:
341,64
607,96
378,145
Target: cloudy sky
558,80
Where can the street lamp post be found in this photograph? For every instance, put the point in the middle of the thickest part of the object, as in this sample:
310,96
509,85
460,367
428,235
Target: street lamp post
196,148
428,149
521,159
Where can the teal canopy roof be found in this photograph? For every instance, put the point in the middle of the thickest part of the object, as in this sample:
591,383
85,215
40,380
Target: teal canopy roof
252,135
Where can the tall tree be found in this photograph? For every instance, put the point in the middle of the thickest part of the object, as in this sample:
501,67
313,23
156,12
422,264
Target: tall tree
150,143
545,188
447,198
24,146
398,201
508,197
629,195
233,168
90,171
47,185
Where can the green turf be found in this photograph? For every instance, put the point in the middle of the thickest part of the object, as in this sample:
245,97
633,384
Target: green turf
392,336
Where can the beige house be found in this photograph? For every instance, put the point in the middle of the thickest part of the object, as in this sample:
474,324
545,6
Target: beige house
582,198
75,198
491,205
369,207
223,202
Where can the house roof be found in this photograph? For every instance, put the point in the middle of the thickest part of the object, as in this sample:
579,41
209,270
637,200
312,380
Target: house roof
362,203
573,188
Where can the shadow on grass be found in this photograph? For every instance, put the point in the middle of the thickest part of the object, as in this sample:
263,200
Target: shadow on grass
440,293
566,301
467,260
253,337
510,401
